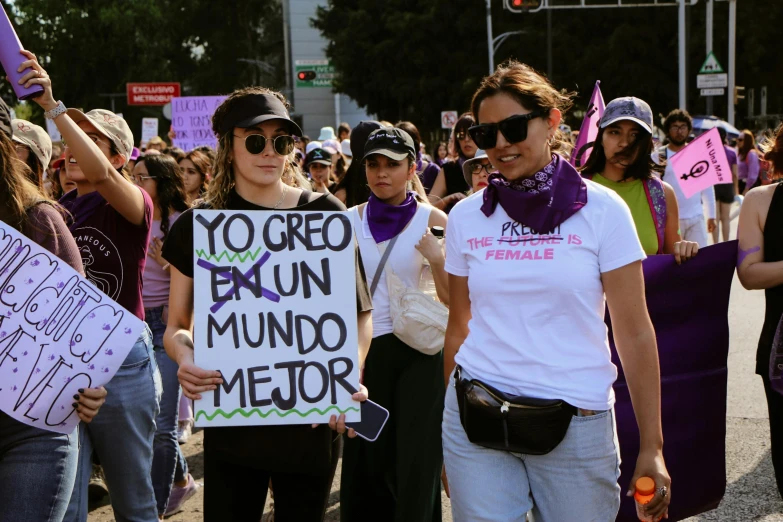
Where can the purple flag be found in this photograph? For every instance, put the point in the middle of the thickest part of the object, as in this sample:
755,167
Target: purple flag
11,59
689,307
589,129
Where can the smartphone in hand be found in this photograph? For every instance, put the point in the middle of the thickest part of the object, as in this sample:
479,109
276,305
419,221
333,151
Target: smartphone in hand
374,417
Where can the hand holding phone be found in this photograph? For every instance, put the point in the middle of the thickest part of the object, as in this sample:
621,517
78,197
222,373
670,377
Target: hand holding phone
374,417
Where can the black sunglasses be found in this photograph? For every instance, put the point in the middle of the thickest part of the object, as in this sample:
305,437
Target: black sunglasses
475,169
256,143
514,129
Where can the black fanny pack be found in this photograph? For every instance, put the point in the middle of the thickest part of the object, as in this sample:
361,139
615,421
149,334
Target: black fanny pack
498,421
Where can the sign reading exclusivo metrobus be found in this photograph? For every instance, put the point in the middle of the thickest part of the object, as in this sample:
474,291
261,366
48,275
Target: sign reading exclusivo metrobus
152,93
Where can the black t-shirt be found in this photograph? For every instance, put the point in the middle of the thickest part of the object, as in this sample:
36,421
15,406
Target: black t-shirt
298,448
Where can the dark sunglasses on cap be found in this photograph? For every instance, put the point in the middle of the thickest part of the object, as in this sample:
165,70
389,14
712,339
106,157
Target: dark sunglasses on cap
256,143
514,129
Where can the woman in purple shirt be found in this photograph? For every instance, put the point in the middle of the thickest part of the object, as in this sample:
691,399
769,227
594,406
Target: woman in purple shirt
111,226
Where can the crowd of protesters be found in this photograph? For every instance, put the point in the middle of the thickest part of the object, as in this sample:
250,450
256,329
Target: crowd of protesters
506,162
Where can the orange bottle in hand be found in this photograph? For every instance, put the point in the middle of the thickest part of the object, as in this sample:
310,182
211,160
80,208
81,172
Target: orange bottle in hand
645,492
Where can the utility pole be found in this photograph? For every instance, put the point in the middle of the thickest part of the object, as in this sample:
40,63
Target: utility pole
682,55
710,14
490,39
732,58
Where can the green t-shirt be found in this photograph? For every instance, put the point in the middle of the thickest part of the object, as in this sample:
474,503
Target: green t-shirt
632,192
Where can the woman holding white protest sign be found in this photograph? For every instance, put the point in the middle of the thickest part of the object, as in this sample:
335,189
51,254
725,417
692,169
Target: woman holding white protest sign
161,177
621,161
760,266
111,219
397,477
255,152
534,258
37,467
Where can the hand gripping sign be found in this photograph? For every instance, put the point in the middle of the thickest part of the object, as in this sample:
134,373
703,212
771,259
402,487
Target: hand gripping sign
275,313
701,164
58,333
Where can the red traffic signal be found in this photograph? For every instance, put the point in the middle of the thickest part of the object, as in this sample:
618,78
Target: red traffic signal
521,6
305,76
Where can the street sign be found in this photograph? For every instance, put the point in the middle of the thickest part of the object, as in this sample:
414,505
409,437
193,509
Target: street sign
711,65
313,73
712,81
448,119
713,92
152,93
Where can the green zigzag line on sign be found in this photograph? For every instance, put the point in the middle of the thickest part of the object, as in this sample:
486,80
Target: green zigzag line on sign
256,411
231,257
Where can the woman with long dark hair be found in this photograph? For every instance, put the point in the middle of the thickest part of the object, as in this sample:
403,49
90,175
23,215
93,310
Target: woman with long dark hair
196,170
748,163
426,171
255,151
37,467
450,186
111,226
621,161
161,177
533,260
760,267
352,189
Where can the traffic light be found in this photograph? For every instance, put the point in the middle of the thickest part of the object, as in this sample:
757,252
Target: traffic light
521,6
738,94
305,76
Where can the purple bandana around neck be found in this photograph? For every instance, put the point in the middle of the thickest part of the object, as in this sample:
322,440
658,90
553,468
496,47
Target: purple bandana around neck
541,202
386,221
81,207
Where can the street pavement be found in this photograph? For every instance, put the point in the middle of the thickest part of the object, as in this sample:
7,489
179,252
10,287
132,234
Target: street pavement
751,494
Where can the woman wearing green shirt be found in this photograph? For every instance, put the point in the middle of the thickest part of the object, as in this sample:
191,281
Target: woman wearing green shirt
621,160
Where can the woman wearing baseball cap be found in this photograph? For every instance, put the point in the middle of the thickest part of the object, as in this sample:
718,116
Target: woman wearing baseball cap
533,260
111,224
34,147
398,475
621,161
255,152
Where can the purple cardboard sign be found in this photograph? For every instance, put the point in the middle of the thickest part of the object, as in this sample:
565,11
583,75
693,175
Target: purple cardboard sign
191,120
688,305
11,58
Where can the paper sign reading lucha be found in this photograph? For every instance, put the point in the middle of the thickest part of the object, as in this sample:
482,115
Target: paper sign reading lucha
58,333
701,164
275,313
191,120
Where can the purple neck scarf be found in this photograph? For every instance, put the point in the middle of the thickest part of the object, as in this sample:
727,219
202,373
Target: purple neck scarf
541,202
386,221
81,207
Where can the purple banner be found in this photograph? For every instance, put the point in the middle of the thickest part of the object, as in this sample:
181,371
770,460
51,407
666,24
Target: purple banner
689,307
589,129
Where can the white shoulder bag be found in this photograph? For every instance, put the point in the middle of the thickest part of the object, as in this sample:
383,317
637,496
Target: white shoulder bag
418,320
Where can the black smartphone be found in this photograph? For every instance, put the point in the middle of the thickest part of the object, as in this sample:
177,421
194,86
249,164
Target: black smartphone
374,417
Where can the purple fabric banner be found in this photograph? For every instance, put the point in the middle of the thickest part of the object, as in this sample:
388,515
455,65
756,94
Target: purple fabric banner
589,129
689,306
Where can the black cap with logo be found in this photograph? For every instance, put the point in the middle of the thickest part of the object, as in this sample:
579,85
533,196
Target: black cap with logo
391,142
318,155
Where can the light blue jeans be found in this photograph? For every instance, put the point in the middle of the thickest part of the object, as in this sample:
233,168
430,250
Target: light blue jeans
121,436
37,471
575,481
168,463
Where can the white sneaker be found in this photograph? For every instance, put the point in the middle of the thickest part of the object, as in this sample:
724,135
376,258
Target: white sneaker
184,431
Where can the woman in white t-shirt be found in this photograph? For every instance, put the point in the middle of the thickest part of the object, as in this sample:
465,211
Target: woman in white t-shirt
532,260
396,477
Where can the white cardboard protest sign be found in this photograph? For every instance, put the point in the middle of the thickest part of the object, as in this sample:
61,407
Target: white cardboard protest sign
275,313
58,333
149,129
191,120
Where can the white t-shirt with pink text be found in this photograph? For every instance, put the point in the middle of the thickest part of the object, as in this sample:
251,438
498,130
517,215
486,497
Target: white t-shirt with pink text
537,301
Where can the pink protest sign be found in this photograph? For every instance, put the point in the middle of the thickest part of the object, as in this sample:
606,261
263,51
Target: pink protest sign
589,129
701,164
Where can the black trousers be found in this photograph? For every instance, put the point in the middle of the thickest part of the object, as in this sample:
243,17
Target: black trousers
775,407
237,492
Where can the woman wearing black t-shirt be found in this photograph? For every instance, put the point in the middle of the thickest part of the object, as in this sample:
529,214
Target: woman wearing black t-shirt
450,186
255,151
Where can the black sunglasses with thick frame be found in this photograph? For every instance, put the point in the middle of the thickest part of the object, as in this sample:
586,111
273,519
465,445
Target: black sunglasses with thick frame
514,129
256,143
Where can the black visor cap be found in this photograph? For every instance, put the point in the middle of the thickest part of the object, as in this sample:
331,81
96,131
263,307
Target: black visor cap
254,109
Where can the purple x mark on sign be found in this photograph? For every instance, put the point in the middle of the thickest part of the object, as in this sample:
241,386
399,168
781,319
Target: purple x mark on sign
234,289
